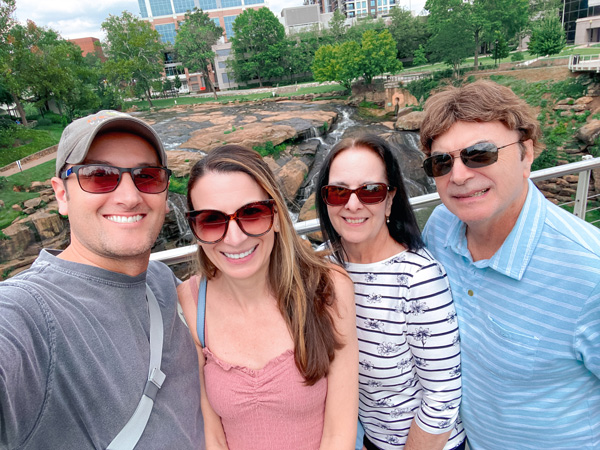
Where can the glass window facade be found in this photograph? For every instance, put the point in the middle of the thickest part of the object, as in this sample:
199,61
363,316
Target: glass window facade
143,10
205,5
167,33
161,7
253,2
216,21
183,6
223,52
230,3
229,25
575,9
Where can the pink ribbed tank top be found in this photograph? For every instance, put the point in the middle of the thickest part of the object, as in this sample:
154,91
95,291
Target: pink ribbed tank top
269,408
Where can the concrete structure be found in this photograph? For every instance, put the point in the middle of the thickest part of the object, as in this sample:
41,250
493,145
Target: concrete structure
89,45
587,30
307,17
164,16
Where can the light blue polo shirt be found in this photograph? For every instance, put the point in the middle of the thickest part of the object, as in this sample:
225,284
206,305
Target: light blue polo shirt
529,320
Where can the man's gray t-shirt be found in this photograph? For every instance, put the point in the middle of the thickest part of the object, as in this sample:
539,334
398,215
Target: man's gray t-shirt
74,356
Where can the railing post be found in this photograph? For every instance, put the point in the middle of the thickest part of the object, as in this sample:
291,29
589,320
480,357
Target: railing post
583,185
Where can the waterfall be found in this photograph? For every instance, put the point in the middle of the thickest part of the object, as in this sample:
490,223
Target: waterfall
178,205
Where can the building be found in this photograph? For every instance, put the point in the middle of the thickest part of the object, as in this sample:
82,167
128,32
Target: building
327,6
164,16
307,17
356,8
581,20
89,45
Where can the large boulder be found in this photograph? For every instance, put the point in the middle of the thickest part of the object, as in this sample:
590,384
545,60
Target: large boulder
48,225
589,132
292,176
18,237
32,202
410,122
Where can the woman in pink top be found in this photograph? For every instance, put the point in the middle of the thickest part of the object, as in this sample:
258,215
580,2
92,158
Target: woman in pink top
273,322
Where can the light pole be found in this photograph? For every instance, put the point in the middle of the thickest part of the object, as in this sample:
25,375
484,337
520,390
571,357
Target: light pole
589,33
496,52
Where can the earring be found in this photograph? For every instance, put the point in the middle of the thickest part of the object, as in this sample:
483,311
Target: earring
387,219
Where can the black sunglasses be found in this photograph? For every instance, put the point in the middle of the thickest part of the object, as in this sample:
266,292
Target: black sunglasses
210,226
368,194
475,156
102,178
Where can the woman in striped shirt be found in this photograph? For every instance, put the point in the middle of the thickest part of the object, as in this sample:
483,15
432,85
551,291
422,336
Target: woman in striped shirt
409,374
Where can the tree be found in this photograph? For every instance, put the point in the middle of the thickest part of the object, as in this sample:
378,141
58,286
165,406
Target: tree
379,54
193,43
346,61
341,63
177,83
337,26
547,37
501,49
451,41
135,53
66,78
409,32
356,31
419,57
7,9
16,64
479,18
257,45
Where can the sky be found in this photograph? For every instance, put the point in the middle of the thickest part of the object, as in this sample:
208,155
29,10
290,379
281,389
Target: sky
82,18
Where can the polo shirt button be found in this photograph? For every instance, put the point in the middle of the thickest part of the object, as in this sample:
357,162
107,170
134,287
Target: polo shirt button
470,292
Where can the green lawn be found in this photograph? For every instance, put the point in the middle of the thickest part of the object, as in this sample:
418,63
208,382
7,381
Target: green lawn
42,172
34,140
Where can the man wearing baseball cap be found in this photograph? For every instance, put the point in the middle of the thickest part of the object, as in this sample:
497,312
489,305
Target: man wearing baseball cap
93,354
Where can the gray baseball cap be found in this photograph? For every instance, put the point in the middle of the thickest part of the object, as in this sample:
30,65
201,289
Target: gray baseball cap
77,138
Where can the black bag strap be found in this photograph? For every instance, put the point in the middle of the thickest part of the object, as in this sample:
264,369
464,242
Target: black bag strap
129,436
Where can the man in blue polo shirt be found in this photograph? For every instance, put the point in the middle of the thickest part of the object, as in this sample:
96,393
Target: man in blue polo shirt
524,273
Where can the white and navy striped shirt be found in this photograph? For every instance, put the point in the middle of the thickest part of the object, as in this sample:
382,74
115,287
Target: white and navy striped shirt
409,349
530,329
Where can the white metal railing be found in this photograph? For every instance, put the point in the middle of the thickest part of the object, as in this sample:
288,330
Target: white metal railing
584,63
582,168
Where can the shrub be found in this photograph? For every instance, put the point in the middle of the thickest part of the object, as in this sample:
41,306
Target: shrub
546,159
6,124
518,56
44,122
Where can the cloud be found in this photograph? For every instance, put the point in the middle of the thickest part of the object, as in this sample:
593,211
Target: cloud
73,18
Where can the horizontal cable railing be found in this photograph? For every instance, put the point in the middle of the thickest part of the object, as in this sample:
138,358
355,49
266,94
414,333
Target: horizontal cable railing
582,168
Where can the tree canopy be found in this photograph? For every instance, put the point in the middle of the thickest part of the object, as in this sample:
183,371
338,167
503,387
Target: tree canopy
482,19
257,45
547,37
408,31
60,73
375,55
134,52
193,43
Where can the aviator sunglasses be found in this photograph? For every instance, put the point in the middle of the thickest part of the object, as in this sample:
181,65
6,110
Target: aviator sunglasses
368,194
475,156
210,226
102,178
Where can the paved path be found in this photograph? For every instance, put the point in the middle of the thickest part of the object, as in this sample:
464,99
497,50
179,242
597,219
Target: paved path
27,165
